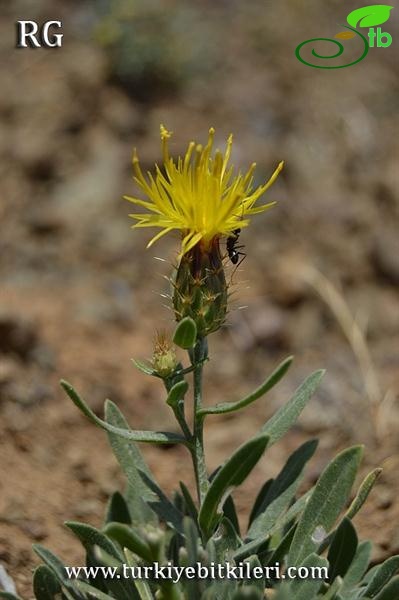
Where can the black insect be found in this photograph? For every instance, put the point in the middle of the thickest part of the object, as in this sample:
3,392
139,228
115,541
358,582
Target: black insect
233,250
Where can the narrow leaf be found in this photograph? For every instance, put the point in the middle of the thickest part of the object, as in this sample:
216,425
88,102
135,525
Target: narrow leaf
253,546
247,592
283,548
141,585
358,567
90,591
226,540
45,583
128,538
363,492
282,490
305,589
90,537
162,506
130,459
159,437
185,334
328,499
268,384
284,418
381,576
342,550
117,510
229,511
54,563
260,498
231,474
390,591
191,509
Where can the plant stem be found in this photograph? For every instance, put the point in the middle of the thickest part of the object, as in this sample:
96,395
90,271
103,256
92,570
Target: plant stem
197,356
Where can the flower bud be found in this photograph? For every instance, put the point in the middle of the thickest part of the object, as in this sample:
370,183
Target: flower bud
164,359
200,288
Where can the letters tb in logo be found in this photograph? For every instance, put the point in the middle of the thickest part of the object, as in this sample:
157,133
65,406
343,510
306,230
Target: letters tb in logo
30,35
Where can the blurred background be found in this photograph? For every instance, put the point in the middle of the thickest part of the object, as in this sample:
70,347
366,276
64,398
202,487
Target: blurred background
80,295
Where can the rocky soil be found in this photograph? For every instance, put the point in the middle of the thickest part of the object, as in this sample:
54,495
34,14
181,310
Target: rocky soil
80,295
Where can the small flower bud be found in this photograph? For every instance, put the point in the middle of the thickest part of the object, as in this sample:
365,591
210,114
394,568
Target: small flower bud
164,359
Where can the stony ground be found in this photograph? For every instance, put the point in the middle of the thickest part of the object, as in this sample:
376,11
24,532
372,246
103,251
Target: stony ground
80,295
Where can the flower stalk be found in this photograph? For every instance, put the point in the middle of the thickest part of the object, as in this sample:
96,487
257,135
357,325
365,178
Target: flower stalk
197,356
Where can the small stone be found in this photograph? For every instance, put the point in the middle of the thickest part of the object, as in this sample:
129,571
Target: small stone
17,336
385,256
86,508
34,530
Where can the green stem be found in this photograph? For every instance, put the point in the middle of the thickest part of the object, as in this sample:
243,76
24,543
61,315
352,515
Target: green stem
197,356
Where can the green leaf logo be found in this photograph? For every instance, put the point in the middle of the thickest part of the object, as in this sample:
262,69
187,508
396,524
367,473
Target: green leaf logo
369,16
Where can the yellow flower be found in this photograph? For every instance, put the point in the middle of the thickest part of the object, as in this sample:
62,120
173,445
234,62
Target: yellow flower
198,195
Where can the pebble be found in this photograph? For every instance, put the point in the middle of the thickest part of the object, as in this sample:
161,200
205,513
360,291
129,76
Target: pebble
17,336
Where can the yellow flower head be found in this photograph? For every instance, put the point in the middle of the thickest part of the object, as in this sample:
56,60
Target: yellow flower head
198,194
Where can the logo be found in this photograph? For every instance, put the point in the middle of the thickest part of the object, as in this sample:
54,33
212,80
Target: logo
31,35
369,17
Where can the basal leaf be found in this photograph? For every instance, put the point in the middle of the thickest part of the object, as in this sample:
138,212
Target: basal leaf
190,508
390,591
127,537
262,494
162,506
226,540
363,492
342,550
90,591
382,576
141,584
230,475
117,510
253,546
282,490
306,589
45,583
90,537
369,16
130,459
54,563
328,499
358,567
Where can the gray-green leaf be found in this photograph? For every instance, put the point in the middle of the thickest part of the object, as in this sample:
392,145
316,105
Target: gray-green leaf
231,474
45,583
390,591
130,459
342,550
268,384
381,576
328,499
286,416
282,490
158,437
